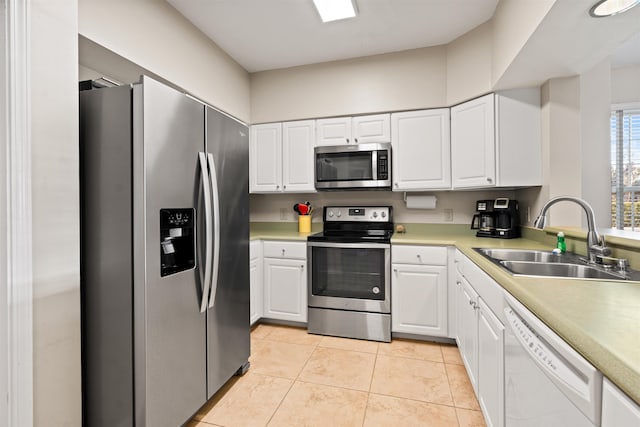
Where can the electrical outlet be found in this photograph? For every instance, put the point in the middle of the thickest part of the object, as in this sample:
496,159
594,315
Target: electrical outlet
448,215
283,214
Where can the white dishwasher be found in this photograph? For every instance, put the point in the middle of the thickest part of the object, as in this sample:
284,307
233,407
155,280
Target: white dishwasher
547,383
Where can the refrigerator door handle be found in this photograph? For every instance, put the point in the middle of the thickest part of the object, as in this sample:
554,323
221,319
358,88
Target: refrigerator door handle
216,230
202,161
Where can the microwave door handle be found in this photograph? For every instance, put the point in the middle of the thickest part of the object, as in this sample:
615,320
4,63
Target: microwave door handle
206,189
374,165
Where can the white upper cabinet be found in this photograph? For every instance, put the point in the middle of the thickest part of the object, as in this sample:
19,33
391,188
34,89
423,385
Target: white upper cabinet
281,157
496,140
518,138
353,130
421,154
265,158
473,143
373,128
334,131
298,139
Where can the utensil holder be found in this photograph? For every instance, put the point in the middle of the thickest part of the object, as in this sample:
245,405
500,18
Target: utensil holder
304,223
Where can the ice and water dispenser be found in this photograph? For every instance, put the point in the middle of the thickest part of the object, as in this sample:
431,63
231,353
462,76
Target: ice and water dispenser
177,240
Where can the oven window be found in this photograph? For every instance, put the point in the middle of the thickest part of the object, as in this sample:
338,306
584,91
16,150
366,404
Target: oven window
348,273
344,166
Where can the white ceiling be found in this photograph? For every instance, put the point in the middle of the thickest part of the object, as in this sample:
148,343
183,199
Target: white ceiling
271,34
628,53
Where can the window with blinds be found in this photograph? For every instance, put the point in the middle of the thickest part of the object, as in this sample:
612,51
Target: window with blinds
625,169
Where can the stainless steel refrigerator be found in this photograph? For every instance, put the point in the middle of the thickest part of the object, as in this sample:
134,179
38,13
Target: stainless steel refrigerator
164,254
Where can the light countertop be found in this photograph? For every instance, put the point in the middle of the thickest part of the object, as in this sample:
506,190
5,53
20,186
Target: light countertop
599,319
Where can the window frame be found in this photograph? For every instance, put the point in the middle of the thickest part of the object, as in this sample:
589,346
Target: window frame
633,108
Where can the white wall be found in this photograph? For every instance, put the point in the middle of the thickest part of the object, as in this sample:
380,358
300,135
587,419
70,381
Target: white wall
153,35
55,193
575,140
595,113
4,323
406,80
469,65
266,207
513,23
625,84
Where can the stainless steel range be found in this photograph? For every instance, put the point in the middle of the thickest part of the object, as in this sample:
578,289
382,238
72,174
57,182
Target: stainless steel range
350,273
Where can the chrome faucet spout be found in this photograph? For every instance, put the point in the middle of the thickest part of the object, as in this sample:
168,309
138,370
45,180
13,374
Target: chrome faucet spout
595,243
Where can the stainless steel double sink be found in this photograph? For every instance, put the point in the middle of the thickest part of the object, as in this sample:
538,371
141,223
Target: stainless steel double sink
523,262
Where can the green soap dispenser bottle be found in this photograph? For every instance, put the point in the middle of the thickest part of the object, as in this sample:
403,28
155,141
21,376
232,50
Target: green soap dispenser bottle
561,244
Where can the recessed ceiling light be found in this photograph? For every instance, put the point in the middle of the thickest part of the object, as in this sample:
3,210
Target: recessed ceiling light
333,10
611,7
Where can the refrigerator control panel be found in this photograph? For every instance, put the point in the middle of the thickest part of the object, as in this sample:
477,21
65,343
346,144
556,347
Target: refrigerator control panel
177,240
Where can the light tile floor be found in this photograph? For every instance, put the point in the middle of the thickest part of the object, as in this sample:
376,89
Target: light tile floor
299,379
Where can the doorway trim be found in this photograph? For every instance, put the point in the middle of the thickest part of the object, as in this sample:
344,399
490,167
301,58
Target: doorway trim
16,217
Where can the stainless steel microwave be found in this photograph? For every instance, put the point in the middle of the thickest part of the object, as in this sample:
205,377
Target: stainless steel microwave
353,167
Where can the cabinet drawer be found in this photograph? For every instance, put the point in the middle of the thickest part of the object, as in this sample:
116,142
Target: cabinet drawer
430,255
292,250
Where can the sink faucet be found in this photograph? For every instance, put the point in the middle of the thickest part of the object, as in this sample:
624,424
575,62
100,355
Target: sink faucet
595,243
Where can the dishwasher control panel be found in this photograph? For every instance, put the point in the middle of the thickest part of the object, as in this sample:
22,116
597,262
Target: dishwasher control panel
544,356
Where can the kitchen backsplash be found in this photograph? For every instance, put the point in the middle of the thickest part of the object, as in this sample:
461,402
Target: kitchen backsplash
452,207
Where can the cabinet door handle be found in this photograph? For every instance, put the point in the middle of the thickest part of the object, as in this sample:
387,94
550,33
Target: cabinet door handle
458,282
277,187
302,267
347,140
356,140
489,180
283,252
396,184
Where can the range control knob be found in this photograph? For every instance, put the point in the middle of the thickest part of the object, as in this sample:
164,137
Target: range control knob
375,214
330,213
383,214
339,214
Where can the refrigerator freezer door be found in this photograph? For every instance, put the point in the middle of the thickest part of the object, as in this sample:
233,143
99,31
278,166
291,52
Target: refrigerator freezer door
228,319
169,329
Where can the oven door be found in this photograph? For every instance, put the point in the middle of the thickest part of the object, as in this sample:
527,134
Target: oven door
350,276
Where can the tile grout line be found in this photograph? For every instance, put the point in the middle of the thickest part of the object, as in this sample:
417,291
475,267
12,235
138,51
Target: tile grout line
280,404
293,381
317,345
373,372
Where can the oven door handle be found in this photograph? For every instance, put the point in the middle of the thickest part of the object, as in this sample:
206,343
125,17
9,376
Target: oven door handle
349,245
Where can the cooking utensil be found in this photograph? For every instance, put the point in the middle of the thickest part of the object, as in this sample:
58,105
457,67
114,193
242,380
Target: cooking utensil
303,208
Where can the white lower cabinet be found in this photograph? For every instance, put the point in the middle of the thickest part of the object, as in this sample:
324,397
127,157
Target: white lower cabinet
467,327
255,281
419,290
480,337
490,366
285,281
618,410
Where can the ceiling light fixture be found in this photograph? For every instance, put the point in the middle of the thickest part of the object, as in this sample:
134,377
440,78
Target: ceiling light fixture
334,10
605,8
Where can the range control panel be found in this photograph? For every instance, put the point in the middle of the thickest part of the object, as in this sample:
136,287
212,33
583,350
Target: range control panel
358,214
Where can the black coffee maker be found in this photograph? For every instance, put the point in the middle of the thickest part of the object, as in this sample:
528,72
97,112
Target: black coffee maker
499,218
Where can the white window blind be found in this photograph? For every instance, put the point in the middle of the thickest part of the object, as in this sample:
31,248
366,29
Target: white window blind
625,169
